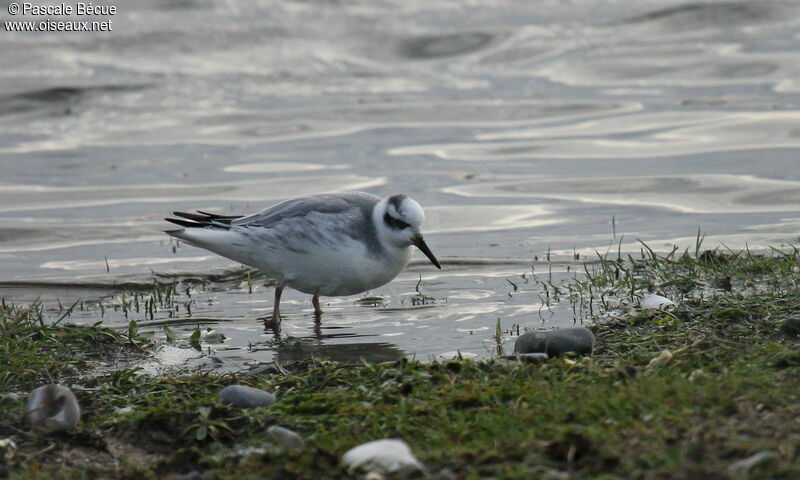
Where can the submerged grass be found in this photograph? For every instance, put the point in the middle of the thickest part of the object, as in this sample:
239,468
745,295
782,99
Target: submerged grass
723,403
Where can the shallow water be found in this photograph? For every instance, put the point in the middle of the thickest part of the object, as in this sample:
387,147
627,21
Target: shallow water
524,131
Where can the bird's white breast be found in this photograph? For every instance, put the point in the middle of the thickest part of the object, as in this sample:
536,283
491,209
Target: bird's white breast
346,270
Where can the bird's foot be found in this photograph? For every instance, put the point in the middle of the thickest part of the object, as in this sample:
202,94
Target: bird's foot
272,321
275,319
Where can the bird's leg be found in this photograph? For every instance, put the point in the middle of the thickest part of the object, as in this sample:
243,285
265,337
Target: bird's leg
276,307
315,301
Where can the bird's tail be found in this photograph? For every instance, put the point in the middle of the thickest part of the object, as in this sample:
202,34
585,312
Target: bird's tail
202,219
201,229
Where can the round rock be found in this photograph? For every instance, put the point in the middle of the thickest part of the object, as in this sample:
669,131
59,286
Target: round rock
52,408
791,326
579,340
285,438
243,396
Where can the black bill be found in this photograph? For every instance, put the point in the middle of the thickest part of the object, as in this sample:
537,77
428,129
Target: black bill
420,243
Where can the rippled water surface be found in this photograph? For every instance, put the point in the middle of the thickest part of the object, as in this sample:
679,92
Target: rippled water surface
522,128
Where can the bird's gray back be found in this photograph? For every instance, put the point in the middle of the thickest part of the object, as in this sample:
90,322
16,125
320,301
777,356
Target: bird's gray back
356,207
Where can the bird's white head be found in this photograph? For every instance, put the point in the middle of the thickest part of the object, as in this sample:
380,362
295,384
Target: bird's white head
399,220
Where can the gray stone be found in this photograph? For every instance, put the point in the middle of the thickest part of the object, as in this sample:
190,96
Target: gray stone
52,408
243,396
579,340
791,326
285,438
10,397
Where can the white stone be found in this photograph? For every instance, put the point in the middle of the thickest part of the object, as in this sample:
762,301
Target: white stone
652,301
52,408
385,456
7,449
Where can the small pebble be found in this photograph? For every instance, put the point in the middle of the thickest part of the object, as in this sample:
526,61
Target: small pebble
10,397
383,456
243,396
52,408
791,326
655,302
696,375
661,360
8,449
285,438
579,340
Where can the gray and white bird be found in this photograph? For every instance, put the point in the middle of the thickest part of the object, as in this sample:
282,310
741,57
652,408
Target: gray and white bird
330,244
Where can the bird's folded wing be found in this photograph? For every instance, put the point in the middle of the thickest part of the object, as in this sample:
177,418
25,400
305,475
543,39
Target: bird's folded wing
332,204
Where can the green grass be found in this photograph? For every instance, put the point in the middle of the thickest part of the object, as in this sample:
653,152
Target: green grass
34,352
729,392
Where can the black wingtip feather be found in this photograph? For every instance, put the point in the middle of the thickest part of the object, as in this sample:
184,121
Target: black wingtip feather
202,219
192,216
219,217
205,219
184,223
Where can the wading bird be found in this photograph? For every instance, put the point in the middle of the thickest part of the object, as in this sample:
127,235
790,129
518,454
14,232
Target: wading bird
329,244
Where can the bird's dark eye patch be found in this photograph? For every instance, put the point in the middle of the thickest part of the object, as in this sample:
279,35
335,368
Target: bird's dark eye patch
393,222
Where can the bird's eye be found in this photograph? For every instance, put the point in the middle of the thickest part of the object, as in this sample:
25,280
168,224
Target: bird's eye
393,222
